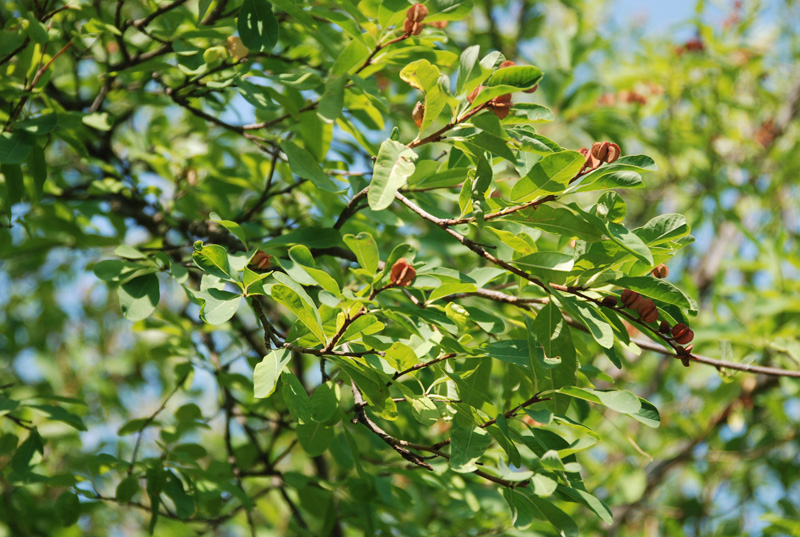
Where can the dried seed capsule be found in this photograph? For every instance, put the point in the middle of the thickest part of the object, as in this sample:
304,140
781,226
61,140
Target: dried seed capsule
260,261
507,63
402,273
418,114
609,301
679,329
417,13
630,298
651,316
647,310
501,105
533,89
661,271
613,153
685,337
664,327
412,28
474,93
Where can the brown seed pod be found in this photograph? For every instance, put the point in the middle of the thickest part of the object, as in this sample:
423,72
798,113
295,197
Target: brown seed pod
609,301
630,299
402,273
501,105
682,334
685,338
651,316
533,89
418,114
664,327
661,271
412,28
260,261
417,13
507,63
613,153
647,310
474,93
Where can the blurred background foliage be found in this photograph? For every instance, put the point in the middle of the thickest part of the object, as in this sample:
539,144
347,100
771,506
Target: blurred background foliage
714,99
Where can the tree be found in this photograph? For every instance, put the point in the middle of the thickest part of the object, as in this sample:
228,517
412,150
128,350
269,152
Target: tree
332,269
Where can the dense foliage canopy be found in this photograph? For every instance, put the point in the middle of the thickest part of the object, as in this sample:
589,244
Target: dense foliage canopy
373,268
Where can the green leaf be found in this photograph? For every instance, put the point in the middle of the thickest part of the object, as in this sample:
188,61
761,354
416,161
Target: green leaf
235,229
306,166
332,100
218,305
508,80
558,220
447,10
295,397
550,175
302,257
592,318
184,503
15,185
258,27
393,166
523,513
213,259
595,505
37,166
58,413
314,437
564,525
350,58
656,289
535,113
139,297
366,250
68,508
621,401
307,314
558,365
325,404
468,442
39,126
268,371
127,488
662,229
423,76
470,72
98,120
15,146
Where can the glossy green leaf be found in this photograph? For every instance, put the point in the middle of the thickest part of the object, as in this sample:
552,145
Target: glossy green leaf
468,442
139,297
268,371
257,25
393,166
365,248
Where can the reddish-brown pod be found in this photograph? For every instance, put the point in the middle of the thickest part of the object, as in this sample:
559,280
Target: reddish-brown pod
501,105
630,299
418,114
661,271
507,63
260,261
474,93
612,153
664,327
682,334
647,310
402,273
609,301
417,13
